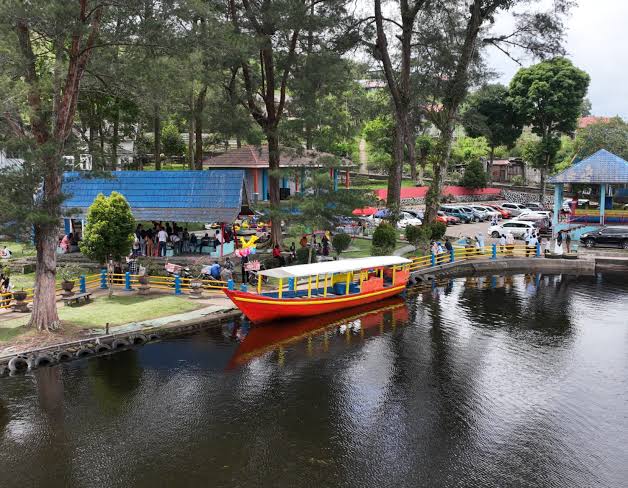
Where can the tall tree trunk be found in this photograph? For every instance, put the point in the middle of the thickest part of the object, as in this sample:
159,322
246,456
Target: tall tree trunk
199,106
191,133
273,187
102,164
45,316
157,132
115,139
238,142
489,170
308,137
440,171
393,198
542,185
410,148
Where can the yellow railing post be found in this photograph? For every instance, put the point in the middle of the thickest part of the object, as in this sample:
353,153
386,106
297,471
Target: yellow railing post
325,286
394,274
347,283
309,286
317,284
280,287
259,284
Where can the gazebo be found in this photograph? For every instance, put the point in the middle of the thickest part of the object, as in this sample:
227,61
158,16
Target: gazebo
603,169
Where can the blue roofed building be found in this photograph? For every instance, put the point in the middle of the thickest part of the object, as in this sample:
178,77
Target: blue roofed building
603,169
180,196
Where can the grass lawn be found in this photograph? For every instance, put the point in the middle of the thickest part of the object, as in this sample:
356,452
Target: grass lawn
382,185
19,249
120,309
361,248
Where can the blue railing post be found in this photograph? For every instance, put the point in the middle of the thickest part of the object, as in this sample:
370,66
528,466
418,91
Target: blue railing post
433,259
291,284
127,281
494,251
83,284
538,249
103,279
452,256
230,285
243,287
177,285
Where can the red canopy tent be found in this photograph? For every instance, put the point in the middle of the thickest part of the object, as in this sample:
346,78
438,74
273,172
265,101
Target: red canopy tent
364,212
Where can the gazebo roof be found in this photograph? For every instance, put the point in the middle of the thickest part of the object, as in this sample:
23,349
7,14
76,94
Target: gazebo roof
185,196
601,167
257,157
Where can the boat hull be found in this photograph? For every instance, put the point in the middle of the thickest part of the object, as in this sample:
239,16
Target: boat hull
259,308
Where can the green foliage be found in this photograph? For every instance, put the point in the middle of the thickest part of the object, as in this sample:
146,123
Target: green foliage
437,230
474,176
384,239
611,135
467,149
417,234
171,141
109,230
517,180
378,133
491,114
303,255
341,242
549,95
69,272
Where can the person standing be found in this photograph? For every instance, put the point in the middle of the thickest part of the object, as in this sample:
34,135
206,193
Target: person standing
568,242
510,242
502,242
162,238
531,245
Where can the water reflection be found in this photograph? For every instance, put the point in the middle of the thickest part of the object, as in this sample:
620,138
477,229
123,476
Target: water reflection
484,381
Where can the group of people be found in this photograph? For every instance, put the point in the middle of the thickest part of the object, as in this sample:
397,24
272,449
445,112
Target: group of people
156,240
69,243
321,247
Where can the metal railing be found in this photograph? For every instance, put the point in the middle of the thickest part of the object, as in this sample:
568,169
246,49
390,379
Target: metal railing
458,254
102,280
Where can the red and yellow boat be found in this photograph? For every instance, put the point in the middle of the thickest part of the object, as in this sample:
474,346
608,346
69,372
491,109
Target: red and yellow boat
319,288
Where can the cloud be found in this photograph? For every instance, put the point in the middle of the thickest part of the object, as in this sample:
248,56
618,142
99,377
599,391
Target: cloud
597,42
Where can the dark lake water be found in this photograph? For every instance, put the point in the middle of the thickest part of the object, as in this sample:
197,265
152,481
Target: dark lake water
518,381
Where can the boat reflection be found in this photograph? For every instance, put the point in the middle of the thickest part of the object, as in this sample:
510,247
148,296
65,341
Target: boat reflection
266,338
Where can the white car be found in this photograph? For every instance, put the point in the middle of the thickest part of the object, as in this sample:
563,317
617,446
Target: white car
516,228
514,208
490,212
544,213
407,219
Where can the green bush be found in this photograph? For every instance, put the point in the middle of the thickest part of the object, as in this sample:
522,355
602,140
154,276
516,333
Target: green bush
438,230
341,242
415,234
384,239
474,176
303,255
517,180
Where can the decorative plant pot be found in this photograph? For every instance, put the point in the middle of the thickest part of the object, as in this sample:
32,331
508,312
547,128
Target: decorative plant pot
196,289
144,287
67,288
20,305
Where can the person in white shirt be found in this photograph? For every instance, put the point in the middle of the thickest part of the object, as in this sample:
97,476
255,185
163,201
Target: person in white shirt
532,243
510,242
162,237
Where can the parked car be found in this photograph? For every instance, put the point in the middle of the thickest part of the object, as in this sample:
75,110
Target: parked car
456,212
606,236
514,208
490,212
534,213
582,203
477,216
448,219
516,228
505,213
407,219
534,206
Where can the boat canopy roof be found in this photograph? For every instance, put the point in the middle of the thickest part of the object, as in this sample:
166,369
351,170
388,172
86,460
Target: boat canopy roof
328,267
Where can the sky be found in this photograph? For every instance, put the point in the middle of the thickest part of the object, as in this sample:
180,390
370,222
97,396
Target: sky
596,42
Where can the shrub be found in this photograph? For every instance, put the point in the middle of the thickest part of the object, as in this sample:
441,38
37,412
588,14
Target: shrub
517,180
415,234
384,239
474,175
341,242
69,272
303,255
438,230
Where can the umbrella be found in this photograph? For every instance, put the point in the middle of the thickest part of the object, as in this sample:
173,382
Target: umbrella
364,212
384,213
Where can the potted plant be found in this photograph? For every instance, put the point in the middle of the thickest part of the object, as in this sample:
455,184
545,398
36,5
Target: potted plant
69,274
148,268
196,282
19,296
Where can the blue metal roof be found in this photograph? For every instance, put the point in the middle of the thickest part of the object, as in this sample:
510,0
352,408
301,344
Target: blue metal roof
182,196
601,167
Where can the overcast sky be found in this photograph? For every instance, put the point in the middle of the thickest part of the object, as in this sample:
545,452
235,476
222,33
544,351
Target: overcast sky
597,42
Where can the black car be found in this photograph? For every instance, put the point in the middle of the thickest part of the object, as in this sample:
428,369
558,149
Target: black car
606,236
